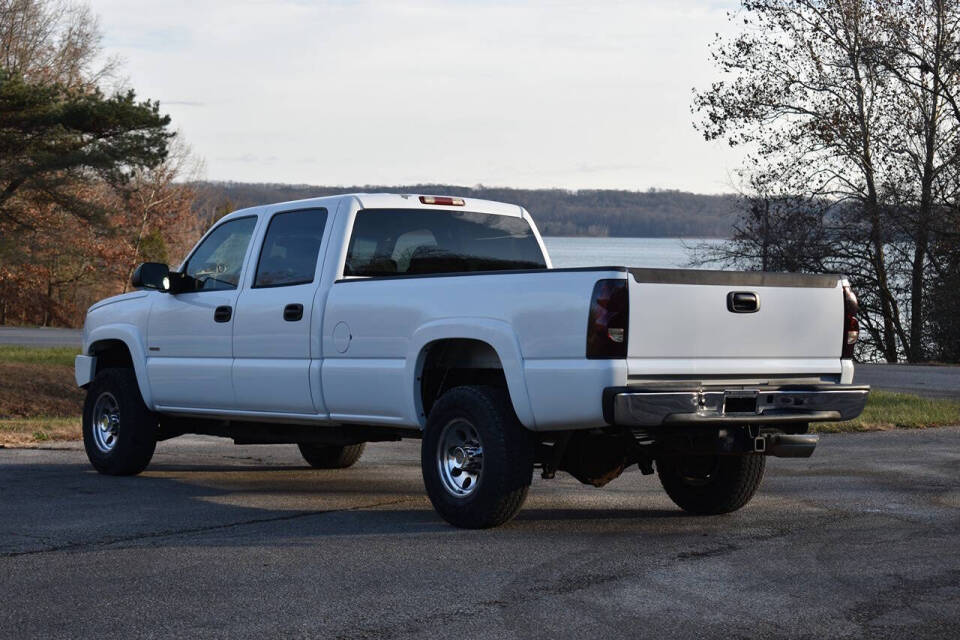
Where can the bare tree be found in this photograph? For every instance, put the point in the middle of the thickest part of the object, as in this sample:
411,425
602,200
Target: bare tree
922,54
774,231
157,205
851,102
53,41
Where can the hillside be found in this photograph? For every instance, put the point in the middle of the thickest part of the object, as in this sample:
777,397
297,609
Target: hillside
558,213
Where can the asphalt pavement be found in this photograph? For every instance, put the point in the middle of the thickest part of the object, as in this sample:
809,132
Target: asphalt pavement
216,540
41,336
924,380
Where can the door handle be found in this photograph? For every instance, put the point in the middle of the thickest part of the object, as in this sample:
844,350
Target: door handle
293,312
743,302
223,314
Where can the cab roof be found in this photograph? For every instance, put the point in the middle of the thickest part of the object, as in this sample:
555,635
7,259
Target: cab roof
394,201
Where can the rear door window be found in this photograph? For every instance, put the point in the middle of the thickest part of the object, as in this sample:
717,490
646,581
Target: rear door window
408,242
291,248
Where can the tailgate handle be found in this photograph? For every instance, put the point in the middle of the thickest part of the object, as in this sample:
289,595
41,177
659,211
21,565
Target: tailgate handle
743,302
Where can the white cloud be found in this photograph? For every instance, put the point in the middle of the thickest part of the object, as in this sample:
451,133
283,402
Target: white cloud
562,94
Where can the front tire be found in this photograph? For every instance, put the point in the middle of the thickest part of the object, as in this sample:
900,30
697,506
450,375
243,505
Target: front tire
119,431
476,458
710,485
331,456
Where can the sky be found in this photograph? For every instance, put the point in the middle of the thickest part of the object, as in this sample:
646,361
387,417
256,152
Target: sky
573,95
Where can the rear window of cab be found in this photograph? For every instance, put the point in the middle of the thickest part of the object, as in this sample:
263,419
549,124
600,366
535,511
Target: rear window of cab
392,242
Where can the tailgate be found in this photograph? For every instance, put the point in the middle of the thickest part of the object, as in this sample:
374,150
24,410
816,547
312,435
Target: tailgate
684,323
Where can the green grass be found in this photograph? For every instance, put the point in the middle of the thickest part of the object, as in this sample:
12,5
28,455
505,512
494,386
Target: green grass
38,355
886,410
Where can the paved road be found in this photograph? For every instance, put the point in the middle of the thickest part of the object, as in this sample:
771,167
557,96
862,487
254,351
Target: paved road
41,337
933,382
860,541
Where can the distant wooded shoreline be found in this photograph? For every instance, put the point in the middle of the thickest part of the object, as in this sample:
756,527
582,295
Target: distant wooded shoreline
558,212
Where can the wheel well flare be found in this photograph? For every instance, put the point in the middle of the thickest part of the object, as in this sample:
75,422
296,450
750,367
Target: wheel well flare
111,354
454,362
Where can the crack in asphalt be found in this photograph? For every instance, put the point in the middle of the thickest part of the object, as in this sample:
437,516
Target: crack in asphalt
902,600
720,550
83,546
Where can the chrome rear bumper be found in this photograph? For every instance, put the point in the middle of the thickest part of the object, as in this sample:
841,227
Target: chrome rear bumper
763,405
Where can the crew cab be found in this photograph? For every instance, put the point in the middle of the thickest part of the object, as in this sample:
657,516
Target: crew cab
337,321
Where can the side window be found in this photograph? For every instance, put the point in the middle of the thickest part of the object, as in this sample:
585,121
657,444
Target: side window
217,262
291,248
401,242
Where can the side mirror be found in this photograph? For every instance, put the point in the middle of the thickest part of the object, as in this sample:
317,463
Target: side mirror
151,275
179,282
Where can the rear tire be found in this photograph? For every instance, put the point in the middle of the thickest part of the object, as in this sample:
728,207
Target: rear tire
119,431
709,485
331,456
476,457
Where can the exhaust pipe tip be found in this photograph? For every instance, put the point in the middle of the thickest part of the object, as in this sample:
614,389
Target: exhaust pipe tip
785,445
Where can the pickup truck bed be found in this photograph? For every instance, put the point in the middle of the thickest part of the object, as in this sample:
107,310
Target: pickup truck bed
336,321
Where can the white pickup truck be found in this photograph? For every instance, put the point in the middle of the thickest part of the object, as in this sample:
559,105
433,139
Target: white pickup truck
333,322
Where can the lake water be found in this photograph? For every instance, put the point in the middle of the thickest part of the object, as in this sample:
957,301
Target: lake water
666,253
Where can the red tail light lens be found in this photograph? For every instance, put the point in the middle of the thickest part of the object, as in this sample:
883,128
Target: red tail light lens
609,320
851,326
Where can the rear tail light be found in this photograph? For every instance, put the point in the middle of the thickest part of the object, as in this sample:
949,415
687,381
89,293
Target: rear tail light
609,320
442,200
851,326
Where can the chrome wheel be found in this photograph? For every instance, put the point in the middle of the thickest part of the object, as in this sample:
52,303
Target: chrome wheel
106,422
460,458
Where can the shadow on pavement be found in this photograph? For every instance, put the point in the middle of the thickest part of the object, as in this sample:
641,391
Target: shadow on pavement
47,507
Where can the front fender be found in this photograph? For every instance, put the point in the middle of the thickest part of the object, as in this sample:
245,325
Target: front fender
496,333
129,335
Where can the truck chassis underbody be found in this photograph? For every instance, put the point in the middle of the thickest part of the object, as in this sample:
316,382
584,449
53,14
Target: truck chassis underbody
593,457
598,456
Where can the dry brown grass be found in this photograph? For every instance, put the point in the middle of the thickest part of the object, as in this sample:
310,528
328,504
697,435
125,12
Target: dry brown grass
30,432
38,391
39,402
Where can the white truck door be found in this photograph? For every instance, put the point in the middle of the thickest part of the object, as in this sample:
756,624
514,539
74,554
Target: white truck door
271,337
190,334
